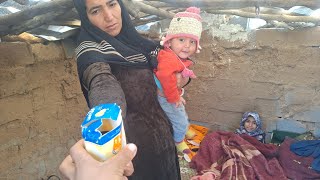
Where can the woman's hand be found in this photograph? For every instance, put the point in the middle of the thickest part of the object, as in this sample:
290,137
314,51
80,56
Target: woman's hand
80,165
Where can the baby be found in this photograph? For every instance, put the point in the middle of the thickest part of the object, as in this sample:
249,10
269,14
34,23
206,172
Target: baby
180,42
251,125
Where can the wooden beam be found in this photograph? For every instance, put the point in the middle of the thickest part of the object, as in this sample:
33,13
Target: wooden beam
22,2
155,11
258,11
71,14
132,9
73,23
138,22
236,4
26,19
276,16
23,37
140,6
157,4
41,8
31,24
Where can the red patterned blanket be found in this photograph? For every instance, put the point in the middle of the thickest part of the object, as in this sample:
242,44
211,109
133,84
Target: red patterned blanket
225,155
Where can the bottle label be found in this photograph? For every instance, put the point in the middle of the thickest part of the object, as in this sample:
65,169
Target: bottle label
103,131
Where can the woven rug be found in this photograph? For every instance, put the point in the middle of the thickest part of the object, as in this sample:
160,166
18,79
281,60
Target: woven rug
185,170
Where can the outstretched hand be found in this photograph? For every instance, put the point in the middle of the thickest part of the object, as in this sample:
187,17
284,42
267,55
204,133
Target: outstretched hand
80,165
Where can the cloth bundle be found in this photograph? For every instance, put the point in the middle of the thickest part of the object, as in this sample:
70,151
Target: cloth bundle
225,155
308,148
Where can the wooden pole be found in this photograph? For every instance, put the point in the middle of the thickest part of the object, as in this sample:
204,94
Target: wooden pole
25,20
267,17
140,6
31,24
236,4
42,8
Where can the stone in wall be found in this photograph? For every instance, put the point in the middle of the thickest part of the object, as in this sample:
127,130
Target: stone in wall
312,115
48,52
15,54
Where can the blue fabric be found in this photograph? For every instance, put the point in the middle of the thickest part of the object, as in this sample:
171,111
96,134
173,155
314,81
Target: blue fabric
157,82
178,118
308,148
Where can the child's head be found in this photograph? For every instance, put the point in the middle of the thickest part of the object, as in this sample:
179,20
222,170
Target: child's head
251,125
184,47
250,121
184,30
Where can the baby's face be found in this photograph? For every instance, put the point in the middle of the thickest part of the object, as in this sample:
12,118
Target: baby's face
184,47
250,124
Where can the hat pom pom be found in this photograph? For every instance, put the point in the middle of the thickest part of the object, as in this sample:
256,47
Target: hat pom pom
193,10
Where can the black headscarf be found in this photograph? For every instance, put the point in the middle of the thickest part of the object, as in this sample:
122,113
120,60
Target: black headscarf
128,48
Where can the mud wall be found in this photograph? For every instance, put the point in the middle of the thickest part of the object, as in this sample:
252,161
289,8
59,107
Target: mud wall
272,71
41,108
41,105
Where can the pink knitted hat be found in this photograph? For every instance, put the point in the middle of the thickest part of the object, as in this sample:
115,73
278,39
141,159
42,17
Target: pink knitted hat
185,24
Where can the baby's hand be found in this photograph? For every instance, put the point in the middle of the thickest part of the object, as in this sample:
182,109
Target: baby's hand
181,81
180,102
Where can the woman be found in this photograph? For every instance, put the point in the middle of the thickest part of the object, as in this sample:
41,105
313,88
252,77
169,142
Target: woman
112,60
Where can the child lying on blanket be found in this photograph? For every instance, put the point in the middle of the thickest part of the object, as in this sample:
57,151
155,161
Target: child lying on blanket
251,125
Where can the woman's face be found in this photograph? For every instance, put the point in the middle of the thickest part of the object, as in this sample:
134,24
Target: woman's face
250,124
106,15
